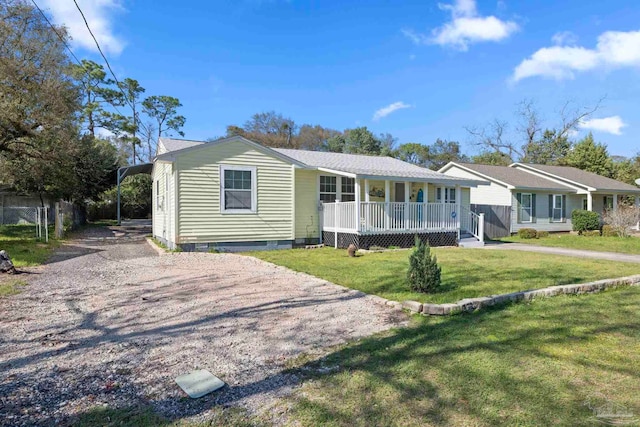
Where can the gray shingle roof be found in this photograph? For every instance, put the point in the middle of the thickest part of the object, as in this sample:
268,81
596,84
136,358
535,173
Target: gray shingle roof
365,165
516,177
178,144
590,179
350,163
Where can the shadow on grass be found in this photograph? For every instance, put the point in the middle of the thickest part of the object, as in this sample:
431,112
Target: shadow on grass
526,364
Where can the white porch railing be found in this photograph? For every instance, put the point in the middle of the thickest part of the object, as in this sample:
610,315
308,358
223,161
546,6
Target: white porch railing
472,223
381,217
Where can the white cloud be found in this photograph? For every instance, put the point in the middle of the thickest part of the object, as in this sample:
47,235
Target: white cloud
614,49
612,125
385,111
466,27
564,38
100,16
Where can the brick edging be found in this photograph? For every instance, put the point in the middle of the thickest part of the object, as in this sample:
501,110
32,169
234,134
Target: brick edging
472,304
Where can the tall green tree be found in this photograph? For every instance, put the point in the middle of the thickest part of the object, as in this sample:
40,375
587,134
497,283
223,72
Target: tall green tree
591,156
314,137
412,152
551,149
126,127
494,158
97,93
38,99
164,109
360,140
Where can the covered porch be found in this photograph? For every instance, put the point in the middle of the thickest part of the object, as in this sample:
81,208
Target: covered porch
435,211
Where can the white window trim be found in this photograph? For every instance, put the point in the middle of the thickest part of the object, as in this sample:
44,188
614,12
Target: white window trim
338,188
342,194
553,208
445,195
522,208
254,190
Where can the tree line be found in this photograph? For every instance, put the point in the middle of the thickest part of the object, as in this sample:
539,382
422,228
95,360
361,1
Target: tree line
530,143
65,126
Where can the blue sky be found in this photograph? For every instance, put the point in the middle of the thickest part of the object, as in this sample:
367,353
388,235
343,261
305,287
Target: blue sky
429,69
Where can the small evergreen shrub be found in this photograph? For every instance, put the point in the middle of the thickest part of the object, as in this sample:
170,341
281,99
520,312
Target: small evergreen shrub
542,234
527,233
608,231
585,221
591,233
424,273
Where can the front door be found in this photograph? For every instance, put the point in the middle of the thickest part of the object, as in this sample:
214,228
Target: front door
398,210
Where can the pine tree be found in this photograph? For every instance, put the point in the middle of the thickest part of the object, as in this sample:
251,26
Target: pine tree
424,273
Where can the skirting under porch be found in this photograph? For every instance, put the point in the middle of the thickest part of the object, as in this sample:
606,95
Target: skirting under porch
401,240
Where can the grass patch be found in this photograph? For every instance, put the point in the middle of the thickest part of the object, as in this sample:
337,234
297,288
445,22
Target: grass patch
626,245
10,287
20,243
466,273
146,417
534,364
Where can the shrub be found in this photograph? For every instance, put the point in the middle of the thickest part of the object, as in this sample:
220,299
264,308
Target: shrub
585,221
608,231
591,233
542,234
424,273
622,219
527,233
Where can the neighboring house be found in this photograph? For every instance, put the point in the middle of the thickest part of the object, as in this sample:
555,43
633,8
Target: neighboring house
234,194
537,196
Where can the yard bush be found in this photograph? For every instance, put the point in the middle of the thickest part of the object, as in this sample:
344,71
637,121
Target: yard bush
424,273
542,234
608,231
527,233
591,233
585,221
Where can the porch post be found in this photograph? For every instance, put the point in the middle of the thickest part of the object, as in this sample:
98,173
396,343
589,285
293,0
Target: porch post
407,206
458,213
637,205
615,202
589,201
336,218
366,190
387,199
425,209
357,200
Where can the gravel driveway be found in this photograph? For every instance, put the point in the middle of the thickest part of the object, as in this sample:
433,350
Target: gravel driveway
109,322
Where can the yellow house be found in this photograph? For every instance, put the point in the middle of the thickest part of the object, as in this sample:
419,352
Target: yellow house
234,194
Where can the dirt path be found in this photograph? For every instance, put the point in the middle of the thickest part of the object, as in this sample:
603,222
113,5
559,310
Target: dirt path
109,322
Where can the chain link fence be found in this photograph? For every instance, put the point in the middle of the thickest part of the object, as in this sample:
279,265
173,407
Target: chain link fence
22,215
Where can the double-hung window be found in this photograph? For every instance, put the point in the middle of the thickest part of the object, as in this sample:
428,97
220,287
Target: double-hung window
238,192
526,207
348,189
328,189
445,195
557,208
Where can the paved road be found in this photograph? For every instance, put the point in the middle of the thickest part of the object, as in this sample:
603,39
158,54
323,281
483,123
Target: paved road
610,256
110,322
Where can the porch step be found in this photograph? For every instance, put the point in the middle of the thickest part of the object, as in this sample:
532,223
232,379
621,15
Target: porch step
469,242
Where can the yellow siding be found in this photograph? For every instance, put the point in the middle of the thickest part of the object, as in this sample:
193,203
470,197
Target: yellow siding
306,204
200,219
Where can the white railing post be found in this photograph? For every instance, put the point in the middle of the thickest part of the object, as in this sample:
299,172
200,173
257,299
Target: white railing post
481,227
357,204
335,225
387,199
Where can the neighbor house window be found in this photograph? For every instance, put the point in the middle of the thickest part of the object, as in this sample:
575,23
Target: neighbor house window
158,197
585,204
448,193
348,189
328,189
608,203
526,207
557,208
238,190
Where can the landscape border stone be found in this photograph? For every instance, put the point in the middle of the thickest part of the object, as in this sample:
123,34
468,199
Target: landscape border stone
468,305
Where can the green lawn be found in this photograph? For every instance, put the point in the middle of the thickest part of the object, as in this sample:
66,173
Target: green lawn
627,245
535,364
20,243
466,273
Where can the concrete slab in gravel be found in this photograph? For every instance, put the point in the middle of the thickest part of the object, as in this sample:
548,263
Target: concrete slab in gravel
199,383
